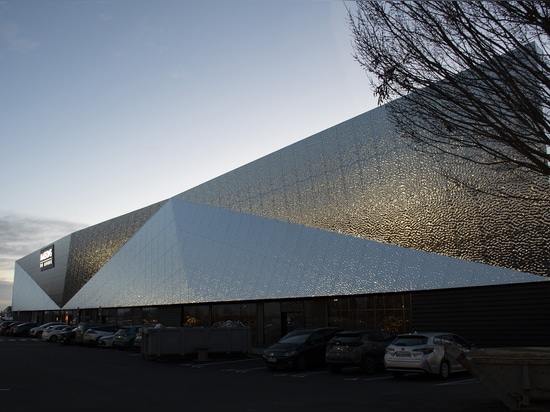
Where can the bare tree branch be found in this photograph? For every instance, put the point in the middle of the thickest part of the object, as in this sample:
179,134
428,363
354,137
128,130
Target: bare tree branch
469,80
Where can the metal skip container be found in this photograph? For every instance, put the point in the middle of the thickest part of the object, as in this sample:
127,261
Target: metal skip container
517,376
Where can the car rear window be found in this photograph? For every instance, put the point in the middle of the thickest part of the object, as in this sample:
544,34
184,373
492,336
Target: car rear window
348,334
410,340
347,337
295,339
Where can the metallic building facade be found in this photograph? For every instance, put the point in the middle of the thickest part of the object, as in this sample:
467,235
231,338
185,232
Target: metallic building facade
351,210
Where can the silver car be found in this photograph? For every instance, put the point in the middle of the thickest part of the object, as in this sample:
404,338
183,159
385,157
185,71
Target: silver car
51,333
423,352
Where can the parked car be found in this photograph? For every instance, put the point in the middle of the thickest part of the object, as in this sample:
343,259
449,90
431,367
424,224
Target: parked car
6,325
22,329
106,341
363,348
83,327
67,337
36,332
424,352
137,341
300,349
92,335
124,337
51,333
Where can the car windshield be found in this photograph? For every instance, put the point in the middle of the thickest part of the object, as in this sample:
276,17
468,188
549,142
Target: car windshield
122,332
410,340
298,338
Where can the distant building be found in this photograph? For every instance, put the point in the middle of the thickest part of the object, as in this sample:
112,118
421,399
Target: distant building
348,227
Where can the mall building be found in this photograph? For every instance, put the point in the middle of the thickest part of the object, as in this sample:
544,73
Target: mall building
348,228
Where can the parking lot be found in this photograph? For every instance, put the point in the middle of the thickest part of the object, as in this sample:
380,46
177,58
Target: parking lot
41,375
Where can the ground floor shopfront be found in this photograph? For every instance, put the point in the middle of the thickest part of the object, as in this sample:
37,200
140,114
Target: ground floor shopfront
503,315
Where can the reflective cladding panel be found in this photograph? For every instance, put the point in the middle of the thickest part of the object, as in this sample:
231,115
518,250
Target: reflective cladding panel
146,270
28,295
193,253
52,279
92,247
359,179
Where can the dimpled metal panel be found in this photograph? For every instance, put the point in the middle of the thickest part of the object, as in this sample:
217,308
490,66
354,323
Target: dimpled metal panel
92,247
190,253
51,281
27,294
358,178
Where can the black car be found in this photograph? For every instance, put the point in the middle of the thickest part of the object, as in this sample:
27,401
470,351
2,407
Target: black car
67,337
363,348
22,329
300,349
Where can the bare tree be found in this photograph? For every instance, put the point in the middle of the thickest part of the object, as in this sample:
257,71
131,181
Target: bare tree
472,78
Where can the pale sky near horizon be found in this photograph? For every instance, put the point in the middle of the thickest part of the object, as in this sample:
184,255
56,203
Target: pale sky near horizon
110,106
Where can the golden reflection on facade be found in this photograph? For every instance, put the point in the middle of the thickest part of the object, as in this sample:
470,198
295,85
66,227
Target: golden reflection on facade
358,179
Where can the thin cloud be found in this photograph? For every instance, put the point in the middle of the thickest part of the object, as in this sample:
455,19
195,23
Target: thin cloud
21,235
6,290
9,34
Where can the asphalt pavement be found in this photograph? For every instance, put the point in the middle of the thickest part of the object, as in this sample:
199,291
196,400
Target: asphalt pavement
38,375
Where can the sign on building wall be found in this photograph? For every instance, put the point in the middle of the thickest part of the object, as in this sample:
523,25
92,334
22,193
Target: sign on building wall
47,258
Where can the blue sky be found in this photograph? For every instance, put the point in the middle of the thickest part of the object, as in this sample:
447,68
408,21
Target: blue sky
110,106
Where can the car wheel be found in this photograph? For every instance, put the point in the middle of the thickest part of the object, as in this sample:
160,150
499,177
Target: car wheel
444,370
334,368
53,338
301,363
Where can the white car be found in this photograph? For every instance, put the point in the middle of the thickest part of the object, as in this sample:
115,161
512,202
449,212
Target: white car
423,352
51,333
106,341
37,331
92,335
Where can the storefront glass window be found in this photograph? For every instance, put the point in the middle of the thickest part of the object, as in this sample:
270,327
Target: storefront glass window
385,312
196,315
272,322
150,315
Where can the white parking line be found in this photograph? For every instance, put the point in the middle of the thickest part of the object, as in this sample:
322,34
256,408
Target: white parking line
462,382
202,365
303,375
378,378
242,370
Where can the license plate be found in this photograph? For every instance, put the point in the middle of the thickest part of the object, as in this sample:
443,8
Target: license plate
403,355
271,360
